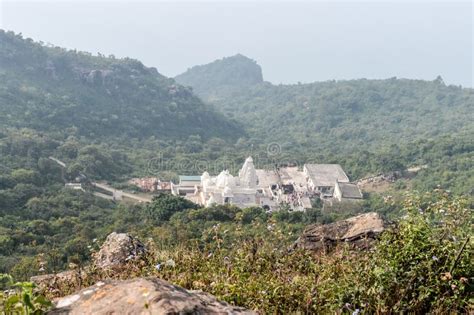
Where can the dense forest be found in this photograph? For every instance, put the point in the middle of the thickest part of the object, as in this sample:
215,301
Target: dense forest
112,119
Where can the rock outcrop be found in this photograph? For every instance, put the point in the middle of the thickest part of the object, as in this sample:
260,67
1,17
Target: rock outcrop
142,296
117,249
360,231
51,282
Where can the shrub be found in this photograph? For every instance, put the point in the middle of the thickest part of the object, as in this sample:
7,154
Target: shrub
422,264
20,298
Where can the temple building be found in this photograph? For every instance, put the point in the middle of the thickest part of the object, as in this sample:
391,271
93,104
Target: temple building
227,189
322,178
270,189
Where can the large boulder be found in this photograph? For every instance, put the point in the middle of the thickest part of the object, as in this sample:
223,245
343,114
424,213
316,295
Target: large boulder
117,249
142,296
53,282
359,231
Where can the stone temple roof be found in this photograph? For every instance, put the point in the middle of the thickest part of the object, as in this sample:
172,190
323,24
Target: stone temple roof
326,175
189,178
350,190
267,178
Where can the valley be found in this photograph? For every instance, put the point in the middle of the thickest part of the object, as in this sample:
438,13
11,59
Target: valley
221,170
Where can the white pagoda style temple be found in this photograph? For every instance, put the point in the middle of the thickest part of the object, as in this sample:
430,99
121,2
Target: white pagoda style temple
225,188
269,189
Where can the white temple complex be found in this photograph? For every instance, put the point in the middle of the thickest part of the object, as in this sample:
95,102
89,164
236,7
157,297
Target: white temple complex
270,189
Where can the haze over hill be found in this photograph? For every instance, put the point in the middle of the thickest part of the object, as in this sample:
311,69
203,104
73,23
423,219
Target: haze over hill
56,90
333,115
222,76
304,41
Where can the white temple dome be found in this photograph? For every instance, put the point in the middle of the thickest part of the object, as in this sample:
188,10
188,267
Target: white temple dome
225,179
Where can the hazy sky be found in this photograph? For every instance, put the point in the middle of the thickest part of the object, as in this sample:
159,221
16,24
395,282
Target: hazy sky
292,41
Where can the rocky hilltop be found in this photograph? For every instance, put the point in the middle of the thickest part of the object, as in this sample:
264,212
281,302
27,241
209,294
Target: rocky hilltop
342,115
223,76
51,89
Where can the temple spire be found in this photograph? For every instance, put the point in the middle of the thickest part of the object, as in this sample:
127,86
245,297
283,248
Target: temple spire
247,174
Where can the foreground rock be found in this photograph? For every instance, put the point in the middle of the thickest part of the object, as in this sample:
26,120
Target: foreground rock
142,296
360,231
117,249
52,282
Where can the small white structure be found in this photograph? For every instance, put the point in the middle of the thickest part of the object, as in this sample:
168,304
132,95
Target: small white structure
347,192
187,185
117,195
74,186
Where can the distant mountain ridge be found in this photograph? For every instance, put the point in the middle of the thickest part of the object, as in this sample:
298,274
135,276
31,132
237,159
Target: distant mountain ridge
53,89
337,115
222,76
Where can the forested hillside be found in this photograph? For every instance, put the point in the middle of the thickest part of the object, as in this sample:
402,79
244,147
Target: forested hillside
72,93
338,116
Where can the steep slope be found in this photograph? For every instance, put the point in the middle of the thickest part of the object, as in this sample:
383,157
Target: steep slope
222,77
74,93
343,115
